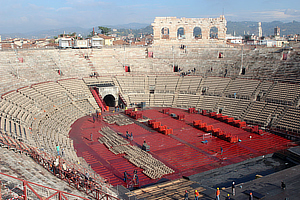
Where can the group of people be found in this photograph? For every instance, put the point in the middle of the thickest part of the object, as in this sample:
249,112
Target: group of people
60,169
129,136
60,152
135,177
196,193
188,72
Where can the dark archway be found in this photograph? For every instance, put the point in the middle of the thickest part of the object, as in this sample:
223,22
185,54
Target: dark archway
213,33
180,33
110,100
197,33
165,33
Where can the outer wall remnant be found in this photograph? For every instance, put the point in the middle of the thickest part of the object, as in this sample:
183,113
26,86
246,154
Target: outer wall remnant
174,31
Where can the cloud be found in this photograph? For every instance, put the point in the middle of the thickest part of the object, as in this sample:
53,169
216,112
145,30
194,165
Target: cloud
64,9
24,19
86,3
266,16
292,12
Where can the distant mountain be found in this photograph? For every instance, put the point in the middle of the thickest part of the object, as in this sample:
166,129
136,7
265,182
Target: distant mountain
83,31
239,28
129,26
47,33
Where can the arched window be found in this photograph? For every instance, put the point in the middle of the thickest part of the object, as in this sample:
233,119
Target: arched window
213,33
180,33
165,33
197,33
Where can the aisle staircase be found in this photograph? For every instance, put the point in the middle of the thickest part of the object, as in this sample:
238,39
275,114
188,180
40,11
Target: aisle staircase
98,99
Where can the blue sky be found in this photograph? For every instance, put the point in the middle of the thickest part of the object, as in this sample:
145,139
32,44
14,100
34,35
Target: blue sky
31,15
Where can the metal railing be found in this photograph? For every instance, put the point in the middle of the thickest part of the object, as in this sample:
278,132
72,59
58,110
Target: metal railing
71,173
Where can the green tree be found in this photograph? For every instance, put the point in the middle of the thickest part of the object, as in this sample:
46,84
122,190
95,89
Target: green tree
104,30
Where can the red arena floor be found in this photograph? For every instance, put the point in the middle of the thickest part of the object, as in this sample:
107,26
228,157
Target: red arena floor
183,151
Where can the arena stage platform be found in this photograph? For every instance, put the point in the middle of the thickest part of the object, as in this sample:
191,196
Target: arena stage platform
184,151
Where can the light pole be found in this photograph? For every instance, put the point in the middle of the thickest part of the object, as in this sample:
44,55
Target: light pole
124,56
173,57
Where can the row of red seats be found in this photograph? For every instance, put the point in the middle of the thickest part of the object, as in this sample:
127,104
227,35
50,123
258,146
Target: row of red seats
157,126
232,121
254,129
179,116
229,120
134,114
237,123
215,131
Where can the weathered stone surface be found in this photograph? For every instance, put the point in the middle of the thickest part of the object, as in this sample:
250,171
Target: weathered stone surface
166,32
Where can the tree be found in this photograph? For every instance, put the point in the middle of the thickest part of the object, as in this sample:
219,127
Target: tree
104,30
90,35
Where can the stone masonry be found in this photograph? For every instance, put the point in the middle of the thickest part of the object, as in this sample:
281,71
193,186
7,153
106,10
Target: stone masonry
166,32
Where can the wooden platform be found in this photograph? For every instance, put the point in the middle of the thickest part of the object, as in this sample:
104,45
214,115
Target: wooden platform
168,190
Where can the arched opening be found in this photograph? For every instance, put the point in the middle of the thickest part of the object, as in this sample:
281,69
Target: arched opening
197,33
110,100
180,33
213,33
165,33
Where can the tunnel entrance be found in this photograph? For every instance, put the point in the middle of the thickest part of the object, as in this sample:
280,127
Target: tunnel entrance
110,100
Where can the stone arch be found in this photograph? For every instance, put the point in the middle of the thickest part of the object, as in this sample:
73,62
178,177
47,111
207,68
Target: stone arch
197,32
110,100
165,33
213,33
180,33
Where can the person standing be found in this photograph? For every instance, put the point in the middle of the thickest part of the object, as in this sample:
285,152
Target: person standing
91,136
221,150
125,177
186,195
57,149
250,196
218,194
283,185
196,195
137,179
233,189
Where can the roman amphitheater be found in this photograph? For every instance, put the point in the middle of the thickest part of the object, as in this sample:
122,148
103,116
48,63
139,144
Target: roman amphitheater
51,97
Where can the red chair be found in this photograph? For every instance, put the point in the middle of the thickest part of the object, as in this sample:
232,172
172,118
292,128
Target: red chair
166,110
168,131
230,120
218,116
150,122
191,110
224,117
212,114
138,116
208,128
202,125
196,122
236,122
242,124
155,125
162,128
